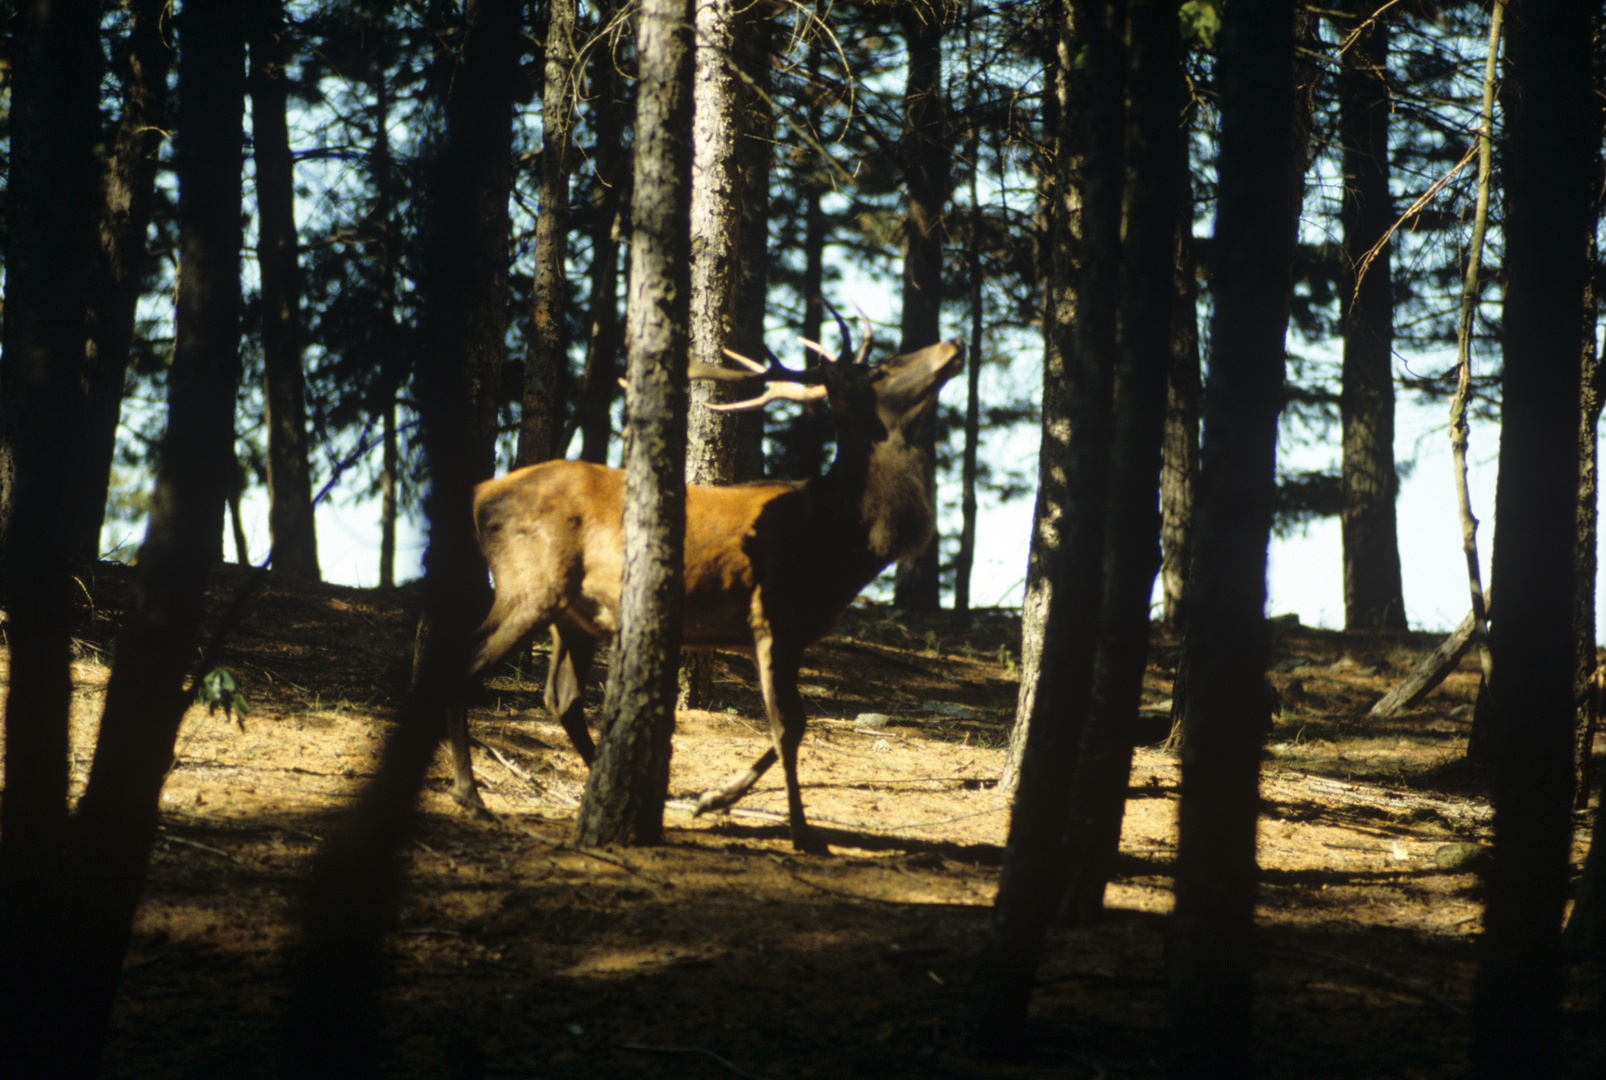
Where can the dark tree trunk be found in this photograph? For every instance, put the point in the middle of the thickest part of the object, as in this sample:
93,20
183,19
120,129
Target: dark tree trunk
965,558
1212,980
1034,873
357,877
1179,468
609,185
1374,598
1059,243
115,822
755,142
927,171
144,59
624,795
803,442
1132,518
1553,132
392,356
290,512
50,257
547,361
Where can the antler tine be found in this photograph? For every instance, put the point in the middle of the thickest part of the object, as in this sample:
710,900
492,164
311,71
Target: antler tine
842,328
868,332
817,347
789,391
751,365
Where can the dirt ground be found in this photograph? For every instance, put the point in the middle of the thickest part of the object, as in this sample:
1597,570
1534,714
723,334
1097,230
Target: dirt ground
725,954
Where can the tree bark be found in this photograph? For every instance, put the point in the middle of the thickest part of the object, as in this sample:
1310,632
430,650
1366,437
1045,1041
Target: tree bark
50,257
291,522
144,59
1552,137
1060,205
1211,969
1132,516
1374,598
547,362
1179,468
711,444
1034,874
624,794
927,170
115,822
609,185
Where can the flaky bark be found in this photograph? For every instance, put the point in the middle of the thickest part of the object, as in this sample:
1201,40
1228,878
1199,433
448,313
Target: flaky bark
547,360
624,795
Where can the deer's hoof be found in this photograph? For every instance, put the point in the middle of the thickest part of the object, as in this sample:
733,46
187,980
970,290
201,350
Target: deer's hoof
470,801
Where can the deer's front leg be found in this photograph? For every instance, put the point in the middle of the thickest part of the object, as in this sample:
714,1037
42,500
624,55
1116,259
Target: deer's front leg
777,677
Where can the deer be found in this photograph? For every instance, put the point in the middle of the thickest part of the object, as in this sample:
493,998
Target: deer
770,565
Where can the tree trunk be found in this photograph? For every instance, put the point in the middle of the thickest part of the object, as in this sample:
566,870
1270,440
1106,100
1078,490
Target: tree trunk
965,558
624,795
711,443
50,259
1212,981
609,185
755,142
1179,466
1374,598
547,361
144,60
115,822
333,1022
290,511
803,441
1132,517
1059,202
1553,132
1034,873
927,176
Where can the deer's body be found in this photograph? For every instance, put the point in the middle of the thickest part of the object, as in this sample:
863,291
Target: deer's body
769,566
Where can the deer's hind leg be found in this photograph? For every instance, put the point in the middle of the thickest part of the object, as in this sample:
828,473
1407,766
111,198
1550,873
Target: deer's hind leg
572,652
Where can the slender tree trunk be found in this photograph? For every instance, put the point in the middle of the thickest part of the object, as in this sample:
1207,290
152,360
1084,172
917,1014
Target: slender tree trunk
1179,469
547,361
333,1025
393,359
927,170
711,444
1553,133
1132,516
624,796
1034,874
144,59
115,822
610,182
755,142
1374,598
1059,244
291,522
965,560
1212,973
50,258
803,442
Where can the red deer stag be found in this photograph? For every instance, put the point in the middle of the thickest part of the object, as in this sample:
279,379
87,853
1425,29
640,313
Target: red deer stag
770,565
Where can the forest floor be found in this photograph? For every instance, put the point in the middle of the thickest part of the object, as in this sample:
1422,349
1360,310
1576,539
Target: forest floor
723,953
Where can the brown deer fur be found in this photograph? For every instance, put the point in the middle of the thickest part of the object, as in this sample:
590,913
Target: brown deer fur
770,565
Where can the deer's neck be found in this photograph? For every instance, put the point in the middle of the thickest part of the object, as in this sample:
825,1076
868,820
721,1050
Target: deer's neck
878,494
